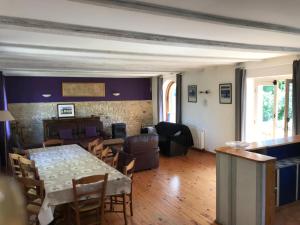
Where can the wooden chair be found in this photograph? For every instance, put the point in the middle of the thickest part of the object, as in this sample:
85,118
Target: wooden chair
98,149
15,165
94,196
34,199
93,143
124,199
114,161
28,168
104,154
53,142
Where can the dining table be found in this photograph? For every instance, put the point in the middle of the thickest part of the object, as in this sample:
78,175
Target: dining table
58,165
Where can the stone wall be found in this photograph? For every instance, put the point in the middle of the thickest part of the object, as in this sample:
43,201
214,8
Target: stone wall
133,113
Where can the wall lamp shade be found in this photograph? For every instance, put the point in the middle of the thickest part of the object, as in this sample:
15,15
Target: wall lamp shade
6,116
46,95
116,94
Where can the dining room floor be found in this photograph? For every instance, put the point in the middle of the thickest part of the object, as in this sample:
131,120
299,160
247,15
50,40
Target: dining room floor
182,191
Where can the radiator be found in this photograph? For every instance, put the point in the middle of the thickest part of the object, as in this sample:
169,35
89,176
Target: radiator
202,139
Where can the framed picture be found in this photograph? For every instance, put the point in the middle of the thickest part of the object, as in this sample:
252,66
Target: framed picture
65,110
225,93
192,93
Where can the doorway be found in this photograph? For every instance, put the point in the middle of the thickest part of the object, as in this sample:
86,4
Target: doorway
170,99
273,107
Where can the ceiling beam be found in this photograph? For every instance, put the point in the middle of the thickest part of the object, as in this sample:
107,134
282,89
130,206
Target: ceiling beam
124,35
152,8
36,50
12,69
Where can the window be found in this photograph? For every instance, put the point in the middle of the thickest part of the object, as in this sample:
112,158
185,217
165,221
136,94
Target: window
170,102
271,110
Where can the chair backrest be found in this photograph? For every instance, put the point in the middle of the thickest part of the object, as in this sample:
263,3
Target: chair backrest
53,142
104,153
94,193
15,165
28,185
129,169
141,144
98,149
28,168
93,143
114,162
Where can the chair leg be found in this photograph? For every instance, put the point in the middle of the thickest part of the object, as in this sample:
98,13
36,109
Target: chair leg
131,208
77,218
111,203
101,216
68,214
124,208
98,218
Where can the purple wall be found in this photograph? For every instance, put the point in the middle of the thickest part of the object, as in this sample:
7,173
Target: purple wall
30,89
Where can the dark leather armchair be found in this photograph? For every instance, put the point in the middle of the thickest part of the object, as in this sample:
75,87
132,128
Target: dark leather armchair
144,148
174,139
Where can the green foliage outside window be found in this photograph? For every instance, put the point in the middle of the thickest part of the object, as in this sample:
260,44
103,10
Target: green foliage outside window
268,102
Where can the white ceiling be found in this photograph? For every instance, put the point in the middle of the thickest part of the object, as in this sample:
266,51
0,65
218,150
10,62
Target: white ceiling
41,51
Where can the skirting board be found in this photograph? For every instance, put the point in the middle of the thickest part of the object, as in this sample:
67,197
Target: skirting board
200,150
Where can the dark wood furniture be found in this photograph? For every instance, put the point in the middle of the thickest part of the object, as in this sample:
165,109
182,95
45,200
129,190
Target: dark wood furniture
74,130
94,197
113,142
53,142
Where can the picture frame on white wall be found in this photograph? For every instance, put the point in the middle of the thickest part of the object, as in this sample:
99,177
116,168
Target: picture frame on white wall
225,93
192,93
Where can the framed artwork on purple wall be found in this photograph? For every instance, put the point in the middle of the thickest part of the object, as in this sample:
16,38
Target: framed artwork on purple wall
79,89
65,110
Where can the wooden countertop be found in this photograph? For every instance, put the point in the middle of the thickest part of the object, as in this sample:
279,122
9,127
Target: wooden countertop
245,154
273,143
248,154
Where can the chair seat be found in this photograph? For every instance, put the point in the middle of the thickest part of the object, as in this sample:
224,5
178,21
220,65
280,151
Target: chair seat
33,209
86,206
32,191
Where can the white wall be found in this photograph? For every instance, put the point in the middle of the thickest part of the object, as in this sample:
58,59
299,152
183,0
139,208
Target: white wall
218,120
271,67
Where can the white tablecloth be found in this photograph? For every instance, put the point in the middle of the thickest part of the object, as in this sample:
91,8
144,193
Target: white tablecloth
59,165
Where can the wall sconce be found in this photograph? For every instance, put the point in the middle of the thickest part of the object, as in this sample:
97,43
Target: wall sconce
116,94
46,95
204,92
